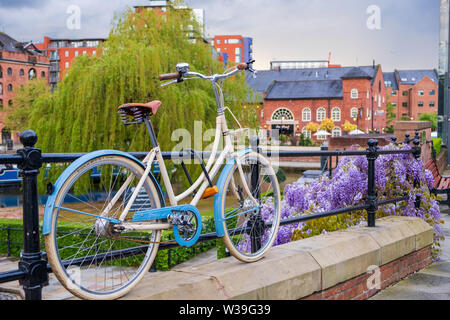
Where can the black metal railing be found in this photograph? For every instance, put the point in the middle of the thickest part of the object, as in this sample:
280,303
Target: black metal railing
33,268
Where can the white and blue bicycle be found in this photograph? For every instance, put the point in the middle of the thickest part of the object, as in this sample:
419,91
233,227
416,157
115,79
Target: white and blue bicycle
104,218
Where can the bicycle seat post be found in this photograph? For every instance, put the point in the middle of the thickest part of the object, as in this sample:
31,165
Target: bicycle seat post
151,132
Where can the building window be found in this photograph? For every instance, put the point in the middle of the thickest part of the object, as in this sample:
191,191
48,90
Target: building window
388,84
233,41
336,132
217,41
421,92
237,53
9,72
321,114
282,114
394,93
67,54
405,104
405,93
1,88
354,113
10,87
84,52
43,74
10,103
94,52
67,65
306,133
31,74
432,92
394,104
420,104
306,115
76,53
1,72
432,104
1,104
21,72
336,114
354,94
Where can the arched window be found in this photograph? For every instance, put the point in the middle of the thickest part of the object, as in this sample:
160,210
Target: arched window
282,114
21,72
354,94
1,88
10,87
9,72
336,114
1,72
336,132
32,74
43,74
306,133
10,103
354,113
306,115
321,114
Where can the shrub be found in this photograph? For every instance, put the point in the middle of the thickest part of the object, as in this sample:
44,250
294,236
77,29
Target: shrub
437,142
395,176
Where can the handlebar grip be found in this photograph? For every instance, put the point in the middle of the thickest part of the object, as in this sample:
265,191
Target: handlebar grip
169,76
242,66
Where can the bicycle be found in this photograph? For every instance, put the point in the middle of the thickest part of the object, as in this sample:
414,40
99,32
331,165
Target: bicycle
104,219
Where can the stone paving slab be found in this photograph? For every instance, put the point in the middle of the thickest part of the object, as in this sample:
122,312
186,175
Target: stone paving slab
431,283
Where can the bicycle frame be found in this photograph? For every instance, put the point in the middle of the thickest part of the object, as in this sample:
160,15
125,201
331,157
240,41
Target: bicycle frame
212,167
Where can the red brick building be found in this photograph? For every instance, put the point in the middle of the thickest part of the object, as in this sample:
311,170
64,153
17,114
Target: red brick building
19,62
292,98
234,49
412,92
62,52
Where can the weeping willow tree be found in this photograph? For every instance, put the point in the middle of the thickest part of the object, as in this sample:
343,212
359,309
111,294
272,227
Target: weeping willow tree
81,114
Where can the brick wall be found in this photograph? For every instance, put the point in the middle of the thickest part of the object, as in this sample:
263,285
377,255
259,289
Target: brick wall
391,273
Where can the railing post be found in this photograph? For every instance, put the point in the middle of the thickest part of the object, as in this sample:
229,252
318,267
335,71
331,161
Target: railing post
8,240
372,155
407,139
394,140
31,261
417,150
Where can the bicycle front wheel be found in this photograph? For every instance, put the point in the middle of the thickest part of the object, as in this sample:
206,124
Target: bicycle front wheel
250,228
91,258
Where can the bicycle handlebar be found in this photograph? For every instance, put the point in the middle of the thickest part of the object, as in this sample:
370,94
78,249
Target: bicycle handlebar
179,75
169,76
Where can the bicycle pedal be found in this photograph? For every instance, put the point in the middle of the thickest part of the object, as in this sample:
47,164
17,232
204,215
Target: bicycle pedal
209,192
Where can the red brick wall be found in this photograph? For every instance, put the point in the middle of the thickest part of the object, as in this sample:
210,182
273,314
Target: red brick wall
426,84
356,288
412,98
230,47
16,79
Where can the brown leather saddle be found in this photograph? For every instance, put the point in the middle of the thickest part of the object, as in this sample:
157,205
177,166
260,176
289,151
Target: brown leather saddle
131,113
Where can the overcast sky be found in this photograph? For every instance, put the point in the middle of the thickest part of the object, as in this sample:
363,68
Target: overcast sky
405,34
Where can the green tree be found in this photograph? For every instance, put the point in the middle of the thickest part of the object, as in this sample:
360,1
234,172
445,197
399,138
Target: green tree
81,114
432,117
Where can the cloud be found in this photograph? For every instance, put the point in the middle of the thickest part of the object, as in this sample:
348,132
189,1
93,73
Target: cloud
281,29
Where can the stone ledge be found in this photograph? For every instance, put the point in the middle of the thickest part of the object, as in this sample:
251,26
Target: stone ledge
294,270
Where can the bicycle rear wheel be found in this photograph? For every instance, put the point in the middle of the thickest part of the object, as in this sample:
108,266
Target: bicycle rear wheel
91,258
251,229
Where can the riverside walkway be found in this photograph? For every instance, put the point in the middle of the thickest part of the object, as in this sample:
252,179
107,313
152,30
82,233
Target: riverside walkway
431,283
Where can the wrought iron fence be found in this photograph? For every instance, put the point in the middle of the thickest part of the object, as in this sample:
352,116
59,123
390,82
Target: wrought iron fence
33,269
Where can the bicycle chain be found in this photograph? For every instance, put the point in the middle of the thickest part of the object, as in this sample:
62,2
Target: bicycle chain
113,236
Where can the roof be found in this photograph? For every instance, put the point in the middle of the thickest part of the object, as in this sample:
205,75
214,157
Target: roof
415,76
356,73
321,89
11,45
391,76
264,78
